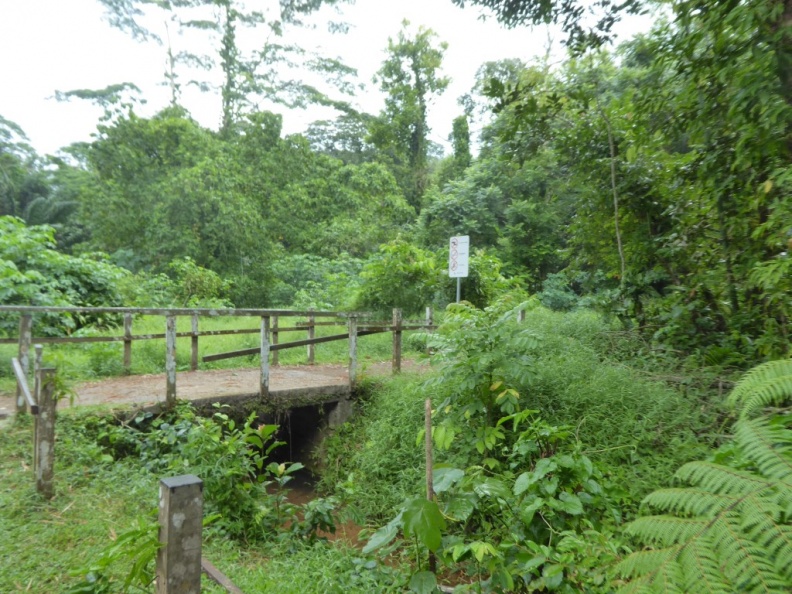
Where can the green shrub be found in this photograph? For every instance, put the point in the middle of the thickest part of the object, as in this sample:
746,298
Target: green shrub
32,272
399,275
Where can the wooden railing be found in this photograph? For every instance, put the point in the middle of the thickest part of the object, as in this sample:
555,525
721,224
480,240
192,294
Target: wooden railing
269,331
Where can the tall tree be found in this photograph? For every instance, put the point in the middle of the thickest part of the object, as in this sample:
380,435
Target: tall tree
411,77
247,77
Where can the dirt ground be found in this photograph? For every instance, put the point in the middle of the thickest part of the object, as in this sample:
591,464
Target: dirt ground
143,390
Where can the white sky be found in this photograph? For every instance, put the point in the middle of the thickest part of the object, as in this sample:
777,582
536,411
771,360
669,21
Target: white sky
49,45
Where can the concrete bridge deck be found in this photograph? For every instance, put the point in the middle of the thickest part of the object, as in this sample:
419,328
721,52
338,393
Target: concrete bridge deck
300,383
289,386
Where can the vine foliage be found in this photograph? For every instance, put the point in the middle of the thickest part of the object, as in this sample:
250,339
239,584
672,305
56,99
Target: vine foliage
728,526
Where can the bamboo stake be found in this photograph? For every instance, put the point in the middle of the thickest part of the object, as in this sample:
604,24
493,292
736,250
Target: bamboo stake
429,464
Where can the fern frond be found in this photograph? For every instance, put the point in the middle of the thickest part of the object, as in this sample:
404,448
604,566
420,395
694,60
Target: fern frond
666,577
763,386
767,444
767,531
701,568
730,529
666,530
747,564
648,561
691,502
721,479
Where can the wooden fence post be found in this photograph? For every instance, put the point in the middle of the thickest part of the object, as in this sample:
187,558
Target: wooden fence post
45,434
311,336
521,316
274,339
397,340
352,351
265,351
180,524
194,343
429,324
127,343
25,338
37,397
170,360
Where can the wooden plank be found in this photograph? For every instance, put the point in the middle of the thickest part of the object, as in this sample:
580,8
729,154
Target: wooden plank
397,341
218,577
311,336
274,333
133,337
25,340
194,343
170,361
321,339
285,345
265,351
353,336
127,342
22,384
37,398
171,311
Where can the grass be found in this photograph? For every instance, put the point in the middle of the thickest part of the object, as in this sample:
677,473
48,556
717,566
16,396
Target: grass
43,542
374,460
91,361
636,429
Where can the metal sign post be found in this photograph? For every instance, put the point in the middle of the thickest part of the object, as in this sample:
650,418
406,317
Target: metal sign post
458,260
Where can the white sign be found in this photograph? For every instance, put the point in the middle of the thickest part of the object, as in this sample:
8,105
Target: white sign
458,256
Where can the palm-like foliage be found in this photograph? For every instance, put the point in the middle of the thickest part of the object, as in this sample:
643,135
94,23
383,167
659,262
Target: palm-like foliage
729,529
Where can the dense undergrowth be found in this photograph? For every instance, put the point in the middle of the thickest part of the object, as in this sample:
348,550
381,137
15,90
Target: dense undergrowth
548,435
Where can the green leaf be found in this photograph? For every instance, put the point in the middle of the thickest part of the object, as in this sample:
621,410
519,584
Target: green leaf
422,519
294,467
527,512
523,483
423,582
383,536
553,576
569,503
533,563
445,478
491,487
459,507
483,549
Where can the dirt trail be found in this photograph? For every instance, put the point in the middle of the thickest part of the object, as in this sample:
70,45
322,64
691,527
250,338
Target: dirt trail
147,389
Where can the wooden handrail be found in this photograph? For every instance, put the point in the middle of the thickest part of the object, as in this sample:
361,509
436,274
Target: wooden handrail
23,385
174,311
132,337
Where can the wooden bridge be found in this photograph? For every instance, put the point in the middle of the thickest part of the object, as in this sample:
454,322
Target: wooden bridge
270,386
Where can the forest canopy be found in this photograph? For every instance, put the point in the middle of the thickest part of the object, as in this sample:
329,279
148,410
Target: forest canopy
649,179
